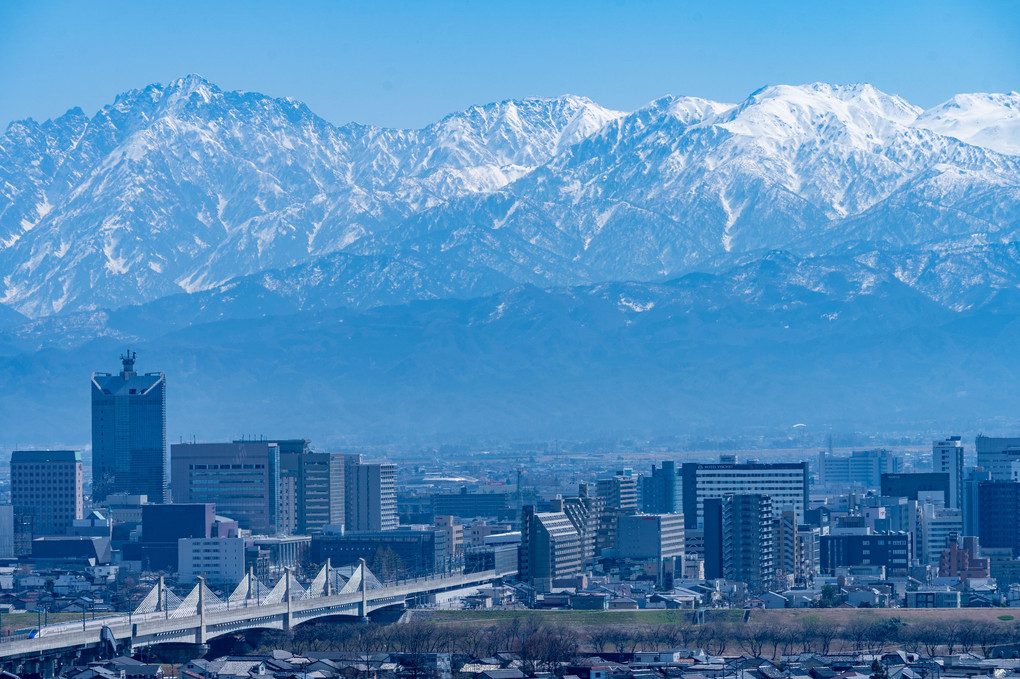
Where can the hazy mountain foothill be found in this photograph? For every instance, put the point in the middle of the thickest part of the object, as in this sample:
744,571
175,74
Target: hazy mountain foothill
822,255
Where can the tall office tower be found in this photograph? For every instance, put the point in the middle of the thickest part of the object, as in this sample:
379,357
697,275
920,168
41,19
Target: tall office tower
712,520
129,433
550,548
370,494
311,487
241,479
585,513
785,483
7,532
947,457
748,541
787,548
999,515
47,486
808,540
971,504
620,495
662,492
937,525
997,455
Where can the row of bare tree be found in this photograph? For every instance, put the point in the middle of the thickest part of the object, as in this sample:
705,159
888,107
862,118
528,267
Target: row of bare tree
543,645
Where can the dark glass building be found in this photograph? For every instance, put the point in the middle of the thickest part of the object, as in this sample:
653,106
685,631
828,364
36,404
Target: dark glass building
891,550
129,433
909,485
999,515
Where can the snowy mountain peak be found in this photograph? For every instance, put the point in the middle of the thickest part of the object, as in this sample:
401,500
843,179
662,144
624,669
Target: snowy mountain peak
982,119
863,112
184,186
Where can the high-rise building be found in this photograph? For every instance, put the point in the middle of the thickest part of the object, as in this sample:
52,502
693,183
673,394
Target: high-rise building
787,548
129,433
997,455
662,492
999,515
619,490
939,525
370,495
808,545
749,541
971,504
311,487
7,532
712,537
786,484
585,513
47,486
241,479
947,457
550,548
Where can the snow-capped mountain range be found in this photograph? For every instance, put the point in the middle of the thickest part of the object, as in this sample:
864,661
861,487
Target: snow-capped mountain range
186,187
514,255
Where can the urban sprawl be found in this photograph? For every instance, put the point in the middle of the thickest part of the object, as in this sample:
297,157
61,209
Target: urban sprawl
261,556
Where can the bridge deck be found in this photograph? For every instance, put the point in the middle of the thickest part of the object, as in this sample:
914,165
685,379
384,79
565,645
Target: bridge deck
224,618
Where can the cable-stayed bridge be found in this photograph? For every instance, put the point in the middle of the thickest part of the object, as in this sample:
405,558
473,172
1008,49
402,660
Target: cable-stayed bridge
163,617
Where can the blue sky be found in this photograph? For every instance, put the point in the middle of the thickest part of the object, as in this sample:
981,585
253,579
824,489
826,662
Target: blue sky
406,64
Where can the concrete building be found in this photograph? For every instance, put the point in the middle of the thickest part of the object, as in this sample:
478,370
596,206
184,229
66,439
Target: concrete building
938,526
453,532
748,541
7,532
786,484
808,553
370,495
962,559
219,560
241,479
311,487
476,532
651,536
47,486
662,492
585,513
288,522
129,433
947,458
398,553
550,548
860,469
996,456
620,491
787,547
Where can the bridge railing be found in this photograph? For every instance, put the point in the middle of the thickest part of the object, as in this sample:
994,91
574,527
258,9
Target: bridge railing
68,634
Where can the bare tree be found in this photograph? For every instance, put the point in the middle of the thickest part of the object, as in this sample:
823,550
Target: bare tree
988,635
818,634
753,637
